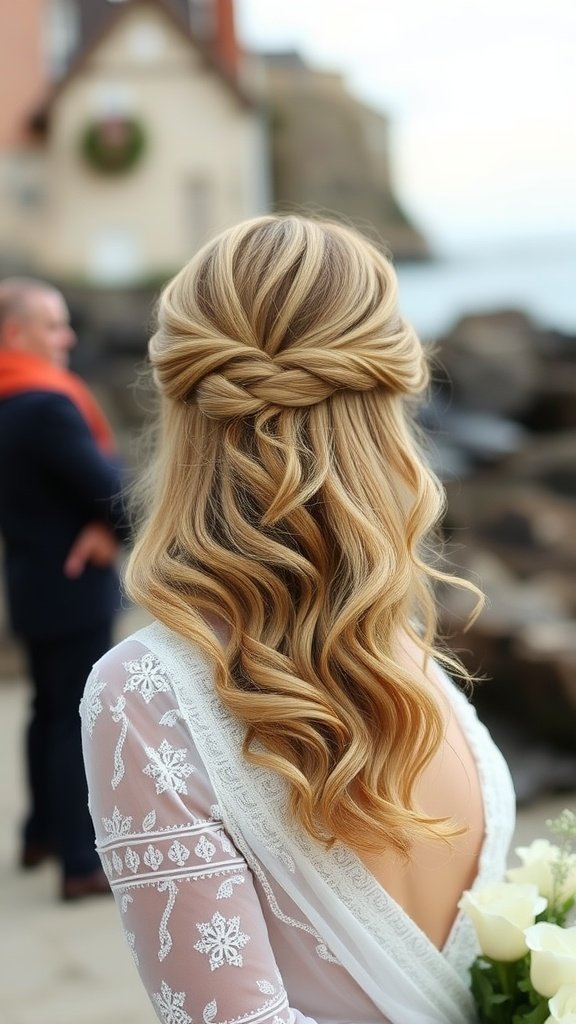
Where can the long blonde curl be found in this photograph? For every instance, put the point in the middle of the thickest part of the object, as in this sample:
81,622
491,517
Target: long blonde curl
289,501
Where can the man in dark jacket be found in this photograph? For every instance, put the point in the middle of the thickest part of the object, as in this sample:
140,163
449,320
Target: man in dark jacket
61,520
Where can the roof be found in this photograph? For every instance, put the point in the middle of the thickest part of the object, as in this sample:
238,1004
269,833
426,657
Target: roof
40,118
94,15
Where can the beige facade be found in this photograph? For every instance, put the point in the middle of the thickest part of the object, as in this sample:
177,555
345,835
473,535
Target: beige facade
204,165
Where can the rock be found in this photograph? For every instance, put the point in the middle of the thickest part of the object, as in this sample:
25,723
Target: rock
484,437
531,528
511,604
553,407
549,462
492,363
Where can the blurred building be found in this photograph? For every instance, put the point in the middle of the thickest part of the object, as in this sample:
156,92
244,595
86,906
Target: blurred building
132,130
126,139
331,153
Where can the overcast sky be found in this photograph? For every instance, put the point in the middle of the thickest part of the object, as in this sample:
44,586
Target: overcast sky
481,93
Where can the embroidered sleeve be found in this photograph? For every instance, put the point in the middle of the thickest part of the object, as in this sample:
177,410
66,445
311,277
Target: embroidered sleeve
190,912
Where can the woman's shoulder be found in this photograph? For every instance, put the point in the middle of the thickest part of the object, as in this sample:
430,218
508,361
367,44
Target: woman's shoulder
147,659
154,639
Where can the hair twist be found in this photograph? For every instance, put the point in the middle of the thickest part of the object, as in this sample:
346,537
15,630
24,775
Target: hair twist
228,379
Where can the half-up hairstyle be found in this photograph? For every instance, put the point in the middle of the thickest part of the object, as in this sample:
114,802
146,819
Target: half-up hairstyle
290,501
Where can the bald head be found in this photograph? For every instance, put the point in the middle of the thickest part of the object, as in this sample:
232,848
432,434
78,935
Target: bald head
34,318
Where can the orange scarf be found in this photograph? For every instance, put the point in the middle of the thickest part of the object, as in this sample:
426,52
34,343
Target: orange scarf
23,371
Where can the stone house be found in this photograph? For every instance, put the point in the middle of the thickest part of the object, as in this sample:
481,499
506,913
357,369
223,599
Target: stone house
143,146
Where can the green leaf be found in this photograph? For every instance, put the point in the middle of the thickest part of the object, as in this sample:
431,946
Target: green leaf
484,986
539,1015
502,992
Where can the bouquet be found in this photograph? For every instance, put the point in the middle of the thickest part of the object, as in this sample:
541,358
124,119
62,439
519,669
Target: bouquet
526,972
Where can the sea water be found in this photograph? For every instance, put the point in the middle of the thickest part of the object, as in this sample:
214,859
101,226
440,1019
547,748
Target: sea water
539,280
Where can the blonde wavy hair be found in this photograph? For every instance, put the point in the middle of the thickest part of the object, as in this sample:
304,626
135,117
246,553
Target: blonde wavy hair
289,500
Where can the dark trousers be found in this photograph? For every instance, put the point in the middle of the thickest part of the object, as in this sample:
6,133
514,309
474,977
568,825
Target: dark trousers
59,816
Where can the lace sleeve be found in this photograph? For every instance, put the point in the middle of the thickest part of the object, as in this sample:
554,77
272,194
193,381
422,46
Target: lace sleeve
190,912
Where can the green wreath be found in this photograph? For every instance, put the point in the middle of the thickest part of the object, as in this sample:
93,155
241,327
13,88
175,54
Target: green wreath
113,146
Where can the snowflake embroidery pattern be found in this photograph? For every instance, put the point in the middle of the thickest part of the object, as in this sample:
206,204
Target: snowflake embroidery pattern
145,675
171,1005
91,705
221,941
168,767
117,826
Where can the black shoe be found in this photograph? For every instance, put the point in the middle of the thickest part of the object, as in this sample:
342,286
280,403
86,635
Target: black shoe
76,887
33,855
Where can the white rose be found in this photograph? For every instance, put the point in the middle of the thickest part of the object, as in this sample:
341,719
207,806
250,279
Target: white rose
563,1006
537,860
553,960
500,913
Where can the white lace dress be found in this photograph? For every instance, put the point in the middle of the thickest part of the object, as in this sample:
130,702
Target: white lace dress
232,913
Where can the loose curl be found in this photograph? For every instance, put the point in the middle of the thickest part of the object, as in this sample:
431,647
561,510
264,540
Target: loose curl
289,500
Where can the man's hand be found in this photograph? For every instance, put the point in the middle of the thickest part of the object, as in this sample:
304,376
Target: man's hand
96,544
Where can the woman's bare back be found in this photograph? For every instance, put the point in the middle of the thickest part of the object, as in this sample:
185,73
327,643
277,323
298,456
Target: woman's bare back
429,885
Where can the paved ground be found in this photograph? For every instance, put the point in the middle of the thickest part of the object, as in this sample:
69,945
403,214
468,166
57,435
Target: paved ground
59,963
68,964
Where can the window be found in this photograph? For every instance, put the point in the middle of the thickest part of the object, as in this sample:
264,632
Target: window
114,257
112,99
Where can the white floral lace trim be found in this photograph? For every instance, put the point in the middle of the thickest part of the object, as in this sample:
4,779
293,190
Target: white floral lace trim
275,1005
174,852
119,827
124,871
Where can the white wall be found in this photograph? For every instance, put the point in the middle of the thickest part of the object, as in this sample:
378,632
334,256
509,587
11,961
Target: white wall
205,153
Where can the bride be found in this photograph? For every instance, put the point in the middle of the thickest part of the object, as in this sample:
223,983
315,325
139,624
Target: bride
289,793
